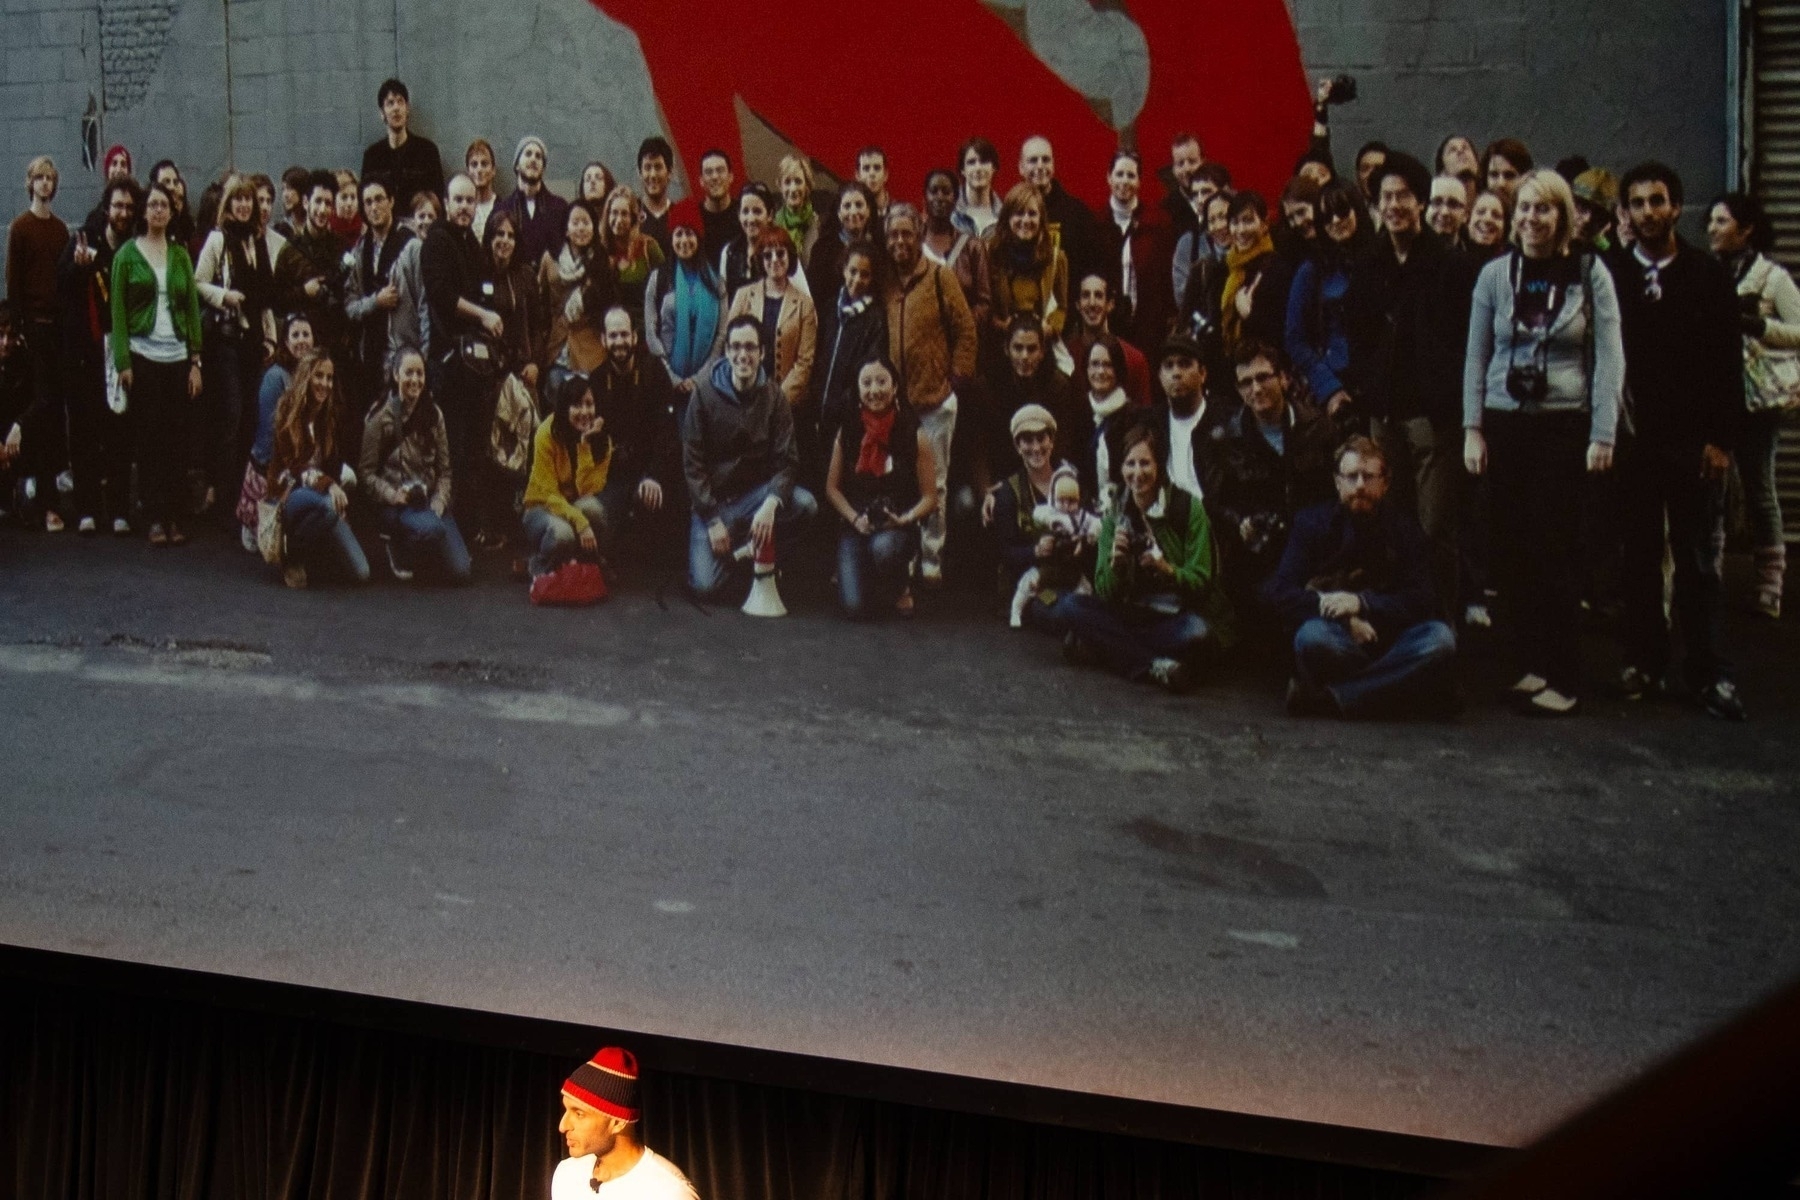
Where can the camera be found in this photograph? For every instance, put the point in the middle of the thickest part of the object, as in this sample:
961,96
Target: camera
1528,384
1342,90
1265,529
879,513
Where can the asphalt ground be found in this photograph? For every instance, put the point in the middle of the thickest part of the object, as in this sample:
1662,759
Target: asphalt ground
929,844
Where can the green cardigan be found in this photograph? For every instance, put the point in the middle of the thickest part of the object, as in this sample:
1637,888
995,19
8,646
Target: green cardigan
134,300
1185,537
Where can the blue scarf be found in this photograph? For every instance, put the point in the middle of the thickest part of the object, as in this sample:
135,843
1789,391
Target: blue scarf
696,321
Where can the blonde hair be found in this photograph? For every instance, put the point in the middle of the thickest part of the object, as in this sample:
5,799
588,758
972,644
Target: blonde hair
1554,188
793,164
42,165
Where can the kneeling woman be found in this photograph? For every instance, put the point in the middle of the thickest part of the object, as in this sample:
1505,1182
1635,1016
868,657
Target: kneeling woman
883,482
1158,607
571,457
308,477
406,472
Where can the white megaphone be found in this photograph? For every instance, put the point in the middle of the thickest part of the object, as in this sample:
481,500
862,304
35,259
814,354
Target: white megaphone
764,599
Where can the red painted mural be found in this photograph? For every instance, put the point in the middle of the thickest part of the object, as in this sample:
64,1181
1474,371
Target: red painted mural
919,76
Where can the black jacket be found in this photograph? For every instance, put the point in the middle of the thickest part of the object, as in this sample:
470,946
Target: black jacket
1382,558
1246,480
85,294
415,167
636,405
1078,232
450,263
843,347
1409,330
1683,354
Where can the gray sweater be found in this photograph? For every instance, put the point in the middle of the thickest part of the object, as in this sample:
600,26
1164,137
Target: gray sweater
1592,305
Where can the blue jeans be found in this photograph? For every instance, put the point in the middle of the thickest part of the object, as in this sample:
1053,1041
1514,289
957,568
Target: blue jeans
1363,680
1756,466
872,570
707,573
1129,637
428,542
318,538
553,540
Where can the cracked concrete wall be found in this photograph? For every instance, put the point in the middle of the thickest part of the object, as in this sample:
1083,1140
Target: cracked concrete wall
1614,82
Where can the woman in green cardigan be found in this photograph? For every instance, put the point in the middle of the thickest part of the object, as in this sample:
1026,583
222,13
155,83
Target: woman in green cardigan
156,333
1158,608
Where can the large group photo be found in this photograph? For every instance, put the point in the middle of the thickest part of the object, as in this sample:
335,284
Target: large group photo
1391,405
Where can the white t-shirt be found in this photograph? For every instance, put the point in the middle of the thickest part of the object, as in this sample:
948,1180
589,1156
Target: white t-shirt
653,1178
1184,472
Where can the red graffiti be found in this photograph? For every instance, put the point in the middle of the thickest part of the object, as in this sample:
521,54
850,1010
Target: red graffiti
918,77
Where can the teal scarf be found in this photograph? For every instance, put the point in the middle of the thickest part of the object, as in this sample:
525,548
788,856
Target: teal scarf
696,321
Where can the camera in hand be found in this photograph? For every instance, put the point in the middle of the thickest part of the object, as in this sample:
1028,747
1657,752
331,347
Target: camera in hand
879,514
1265,529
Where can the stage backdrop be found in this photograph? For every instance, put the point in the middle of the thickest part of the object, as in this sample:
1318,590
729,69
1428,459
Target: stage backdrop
263,84
113,1096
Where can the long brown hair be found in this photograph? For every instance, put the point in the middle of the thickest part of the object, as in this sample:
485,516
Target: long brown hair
1021,195
304,428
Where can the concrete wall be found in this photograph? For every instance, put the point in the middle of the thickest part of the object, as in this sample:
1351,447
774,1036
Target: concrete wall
1615,82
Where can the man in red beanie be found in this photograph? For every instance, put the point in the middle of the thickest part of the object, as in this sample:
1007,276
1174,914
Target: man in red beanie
607,1156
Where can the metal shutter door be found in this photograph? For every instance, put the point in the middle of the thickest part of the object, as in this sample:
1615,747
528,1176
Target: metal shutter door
1775,178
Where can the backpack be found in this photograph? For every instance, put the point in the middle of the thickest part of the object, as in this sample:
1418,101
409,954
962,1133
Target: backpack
515,421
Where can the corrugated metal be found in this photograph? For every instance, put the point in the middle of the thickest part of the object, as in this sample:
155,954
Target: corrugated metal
1775,177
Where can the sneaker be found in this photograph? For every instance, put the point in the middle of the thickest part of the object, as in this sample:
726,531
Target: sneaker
1767,603
86,527
1172,675
159,537
1076,652
1635,683
1720,699
1528,686
1476,616
121,527
400,572
1551,703
247,539
294,576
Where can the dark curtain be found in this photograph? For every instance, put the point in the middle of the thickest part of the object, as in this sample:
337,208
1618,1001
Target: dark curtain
107,1096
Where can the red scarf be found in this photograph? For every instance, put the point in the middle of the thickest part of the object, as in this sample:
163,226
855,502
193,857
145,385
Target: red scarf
872,459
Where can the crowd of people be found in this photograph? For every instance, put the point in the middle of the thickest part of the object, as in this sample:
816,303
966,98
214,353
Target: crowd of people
1381,406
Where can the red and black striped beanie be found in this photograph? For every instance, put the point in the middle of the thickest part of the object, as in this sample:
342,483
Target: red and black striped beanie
607,1082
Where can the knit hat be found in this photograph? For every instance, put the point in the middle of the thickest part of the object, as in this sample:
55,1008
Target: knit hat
607,1082
1597,186
527,140
685,214
1182,344
1032,418
112,152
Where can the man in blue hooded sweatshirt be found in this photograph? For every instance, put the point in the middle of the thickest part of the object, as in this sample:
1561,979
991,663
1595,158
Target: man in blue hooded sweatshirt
740,459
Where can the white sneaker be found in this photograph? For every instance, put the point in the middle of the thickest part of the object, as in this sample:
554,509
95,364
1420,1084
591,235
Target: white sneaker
1476,616
86,525
248,537
121,527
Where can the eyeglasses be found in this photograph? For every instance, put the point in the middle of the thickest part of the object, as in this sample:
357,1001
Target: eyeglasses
1260,379
1356,477
743,347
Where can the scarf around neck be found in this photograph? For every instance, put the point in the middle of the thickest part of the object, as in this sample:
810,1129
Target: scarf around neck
872,458
696,321
1105,406
1236,263
796,222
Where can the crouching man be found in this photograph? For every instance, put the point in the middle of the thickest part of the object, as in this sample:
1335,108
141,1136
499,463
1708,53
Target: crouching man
607,1155
1355,585
740,459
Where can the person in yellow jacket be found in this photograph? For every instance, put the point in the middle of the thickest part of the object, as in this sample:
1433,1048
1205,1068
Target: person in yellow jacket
571,457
